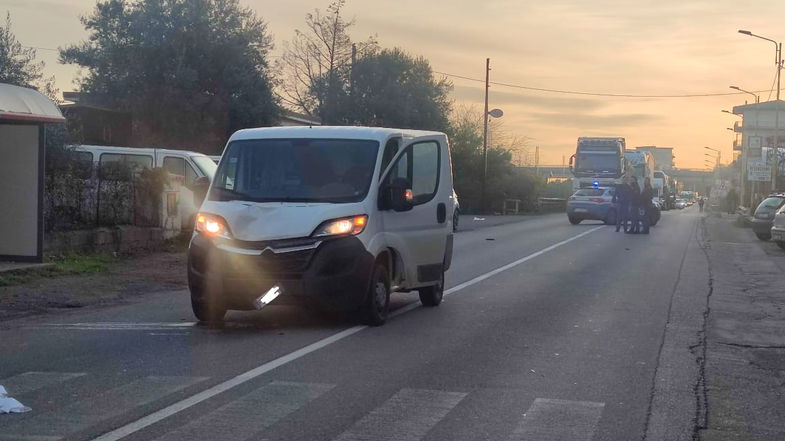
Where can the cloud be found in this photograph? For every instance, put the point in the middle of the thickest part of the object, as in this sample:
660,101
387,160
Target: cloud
590,121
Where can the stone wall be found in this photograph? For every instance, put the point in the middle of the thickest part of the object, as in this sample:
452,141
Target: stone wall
122,239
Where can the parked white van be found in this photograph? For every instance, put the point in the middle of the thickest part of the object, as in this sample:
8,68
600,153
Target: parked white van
185,165
337,217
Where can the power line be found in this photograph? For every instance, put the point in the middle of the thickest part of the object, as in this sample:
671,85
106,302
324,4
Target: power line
575,92
41,48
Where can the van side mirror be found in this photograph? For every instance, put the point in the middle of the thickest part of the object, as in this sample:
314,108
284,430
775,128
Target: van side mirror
200,187
397,196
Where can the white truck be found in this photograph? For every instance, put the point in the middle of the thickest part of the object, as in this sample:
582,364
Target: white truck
598,162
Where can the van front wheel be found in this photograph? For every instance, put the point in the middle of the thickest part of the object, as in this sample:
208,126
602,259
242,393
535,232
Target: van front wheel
432,295
377,305
207,308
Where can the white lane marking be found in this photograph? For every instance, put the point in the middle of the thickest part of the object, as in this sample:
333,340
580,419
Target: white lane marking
116,326
407,416
32,381
249,414
559,420
148,420
82,414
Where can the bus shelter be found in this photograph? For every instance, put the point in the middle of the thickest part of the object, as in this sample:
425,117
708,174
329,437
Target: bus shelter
23,114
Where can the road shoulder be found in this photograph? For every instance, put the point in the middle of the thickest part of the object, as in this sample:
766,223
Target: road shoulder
675,406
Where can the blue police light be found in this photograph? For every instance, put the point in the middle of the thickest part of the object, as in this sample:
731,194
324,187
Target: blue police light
596,184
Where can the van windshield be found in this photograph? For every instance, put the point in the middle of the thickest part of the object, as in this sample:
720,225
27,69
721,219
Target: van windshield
296,170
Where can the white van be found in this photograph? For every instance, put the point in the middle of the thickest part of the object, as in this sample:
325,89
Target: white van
337,217
185,165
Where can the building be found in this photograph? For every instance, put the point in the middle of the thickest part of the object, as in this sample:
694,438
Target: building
663,156
761,125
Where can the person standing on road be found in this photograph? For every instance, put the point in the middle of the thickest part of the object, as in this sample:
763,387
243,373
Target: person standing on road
701,201
647,205
635,207
732,200
622,201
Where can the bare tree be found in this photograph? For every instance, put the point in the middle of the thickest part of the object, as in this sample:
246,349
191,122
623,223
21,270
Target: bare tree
316,64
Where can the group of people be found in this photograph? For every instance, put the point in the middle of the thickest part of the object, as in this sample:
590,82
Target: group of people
633,205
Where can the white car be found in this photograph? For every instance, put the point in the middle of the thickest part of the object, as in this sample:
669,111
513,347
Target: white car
333,216
680,204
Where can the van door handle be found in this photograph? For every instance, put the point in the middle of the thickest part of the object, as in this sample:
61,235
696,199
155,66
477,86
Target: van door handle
441,213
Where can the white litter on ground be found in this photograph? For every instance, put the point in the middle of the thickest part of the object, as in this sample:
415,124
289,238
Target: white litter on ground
479,218
10,405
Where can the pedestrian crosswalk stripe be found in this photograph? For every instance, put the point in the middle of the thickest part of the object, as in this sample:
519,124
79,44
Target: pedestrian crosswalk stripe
82,414
31,381
559,420
252,413
407,416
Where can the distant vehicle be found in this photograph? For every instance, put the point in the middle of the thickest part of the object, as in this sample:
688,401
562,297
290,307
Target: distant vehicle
598,162
592,204
763,218
334,217
640,165
778,228
680,204
663,186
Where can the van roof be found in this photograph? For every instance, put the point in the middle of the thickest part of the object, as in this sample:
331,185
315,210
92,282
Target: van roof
334,132
136,150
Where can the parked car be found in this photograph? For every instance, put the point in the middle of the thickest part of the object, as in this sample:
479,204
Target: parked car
680,204
335,217
186,166
763,217
215,158
778,228
592,204
456,211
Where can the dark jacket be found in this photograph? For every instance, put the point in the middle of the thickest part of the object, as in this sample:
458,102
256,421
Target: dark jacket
622,195
646,195
635,194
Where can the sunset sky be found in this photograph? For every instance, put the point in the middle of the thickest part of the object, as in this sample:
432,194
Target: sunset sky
605,46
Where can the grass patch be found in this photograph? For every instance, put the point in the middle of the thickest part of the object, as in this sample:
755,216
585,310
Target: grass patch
64,265
83,264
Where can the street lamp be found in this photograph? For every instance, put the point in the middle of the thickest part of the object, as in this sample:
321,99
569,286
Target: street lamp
495,113
777,55
778,62
757,98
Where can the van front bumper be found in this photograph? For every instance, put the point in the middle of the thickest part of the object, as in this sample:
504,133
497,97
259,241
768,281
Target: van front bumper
334,273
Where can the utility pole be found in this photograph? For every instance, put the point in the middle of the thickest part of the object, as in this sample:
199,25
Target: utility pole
777,123
537,160
485,138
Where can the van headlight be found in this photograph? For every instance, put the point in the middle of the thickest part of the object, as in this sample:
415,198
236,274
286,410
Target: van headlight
212,226
347,226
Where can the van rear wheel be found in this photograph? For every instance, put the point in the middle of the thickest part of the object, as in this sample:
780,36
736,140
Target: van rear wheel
377,305
432,295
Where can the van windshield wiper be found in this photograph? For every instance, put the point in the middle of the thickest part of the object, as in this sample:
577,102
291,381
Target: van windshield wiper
229,194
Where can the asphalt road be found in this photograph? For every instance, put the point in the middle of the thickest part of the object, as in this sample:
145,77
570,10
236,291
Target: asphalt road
549,332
